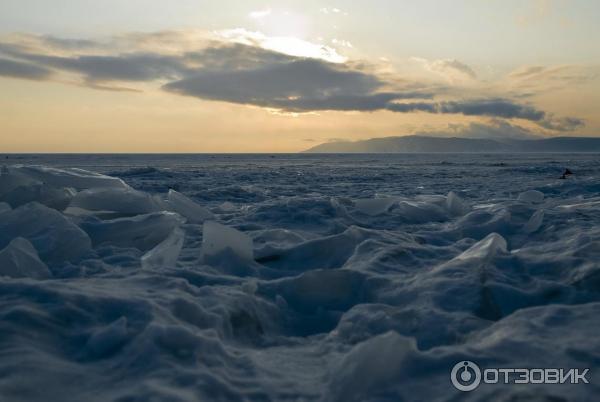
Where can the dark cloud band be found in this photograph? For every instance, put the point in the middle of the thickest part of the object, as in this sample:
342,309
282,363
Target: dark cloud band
18,69
252,75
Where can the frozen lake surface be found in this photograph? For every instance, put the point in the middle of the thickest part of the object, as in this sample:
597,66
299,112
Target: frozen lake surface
296,277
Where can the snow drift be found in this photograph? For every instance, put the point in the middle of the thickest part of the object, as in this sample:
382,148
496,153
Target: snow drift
259,278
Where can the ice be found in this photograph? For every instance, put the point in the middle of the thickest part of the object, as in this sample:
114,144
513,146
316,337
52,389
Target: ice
166,253
49,186
373,366
324,252
107,340
319,289
11,178
420,211
124,201
227,206
270,241
587,204
218,238
142,231
533,196
20,260
304,290
18,187
4,207
535,222
374,206
455,204
485,249
56,198
480,222
52,234
72,177
187,208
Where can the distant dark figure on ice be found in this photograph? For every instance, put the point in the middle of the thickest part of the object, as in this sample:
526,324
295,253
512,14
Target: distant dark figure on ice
566,173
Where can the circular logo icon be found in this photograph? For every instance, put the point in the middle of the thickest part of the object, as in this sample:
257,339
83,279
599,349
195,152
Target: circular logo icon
465,376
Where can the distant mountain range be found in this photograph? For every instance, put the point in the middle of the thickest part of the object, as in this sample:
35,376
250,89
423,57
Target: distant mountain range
418,143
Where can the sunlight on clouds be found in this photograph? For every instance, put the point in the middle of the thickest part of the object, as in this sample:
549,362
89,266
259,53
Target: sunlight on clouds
288,45
332,10
260,13
452,70
274,77
341,42
284,22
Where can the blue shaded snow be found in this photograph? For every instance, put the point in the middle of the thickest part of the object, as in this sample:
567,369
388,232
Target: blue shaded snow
295,277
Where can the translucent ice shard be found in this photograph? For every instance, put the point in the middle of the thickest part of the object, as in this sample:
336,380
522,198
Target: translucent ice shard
455,204
142,231
77,178
126,201
534,223
374,206
54,236
217,238
533,196
187,208
53,197
166,253
485,249
20,260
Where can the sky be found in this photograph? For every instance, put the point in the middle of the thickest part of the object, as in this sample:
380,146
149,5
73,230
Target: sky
256,76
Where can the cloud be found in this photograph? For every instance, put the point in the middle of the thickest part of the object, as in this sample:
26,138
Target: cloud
331,10
527,72
493,129
571,74
70,44
17,69
479,107
127,67
413,107
282,44
296,85
258,14
130,67
492,107
562,124
363,103
534,12
281,74
342,42
497,108
248,75
303,85
236,56
451,69
547,78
